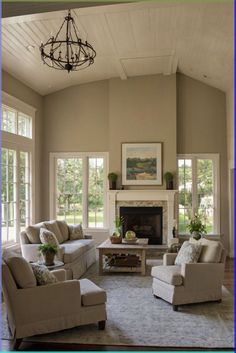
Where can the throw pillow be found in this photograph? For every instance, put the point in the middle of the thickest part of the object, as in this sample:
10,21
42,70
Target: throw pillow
48,237
43,275
188,253
54,228
20,270
76,232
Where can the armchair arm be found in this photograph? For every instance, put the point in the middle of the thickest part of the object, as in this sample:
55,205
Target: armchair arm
60,274
46,302
169,259
88,236
202,275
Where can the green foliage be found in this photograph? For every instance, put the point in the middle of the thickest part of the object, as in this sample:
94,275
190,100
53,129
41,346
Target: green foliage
196,225
119,221
168,176
112,177
48,248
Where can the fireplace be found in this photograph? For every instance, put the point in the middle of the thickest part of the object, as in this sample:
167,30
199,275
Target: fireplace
146,222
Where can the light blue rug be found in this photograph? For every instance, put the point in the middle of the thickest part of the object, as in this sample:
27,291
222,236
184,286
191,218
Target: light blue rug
136,318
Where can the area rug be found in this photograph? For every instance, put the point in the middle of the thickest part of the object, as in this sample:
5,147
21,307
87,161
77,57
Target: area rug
136,318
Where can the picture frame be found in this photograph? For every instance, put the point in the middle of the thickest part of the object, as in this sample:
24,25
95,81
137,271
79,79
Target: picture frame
142,163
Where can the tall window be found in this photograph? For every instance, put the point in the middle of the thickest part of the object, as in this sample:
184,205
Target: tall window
198,177
16,168
79,183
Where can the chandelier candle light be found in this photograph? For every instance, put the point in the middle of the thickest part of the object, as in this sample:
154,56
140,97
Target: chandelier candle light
69,53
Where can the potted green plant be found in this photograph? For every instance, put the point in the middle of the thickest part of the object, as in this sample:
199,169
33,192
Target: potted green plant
116,237
196,227
48,251
169,177
112,177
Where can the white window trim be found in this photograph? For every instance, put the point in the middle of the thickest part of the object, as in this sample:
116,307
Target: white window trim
21,143
52,185
216,160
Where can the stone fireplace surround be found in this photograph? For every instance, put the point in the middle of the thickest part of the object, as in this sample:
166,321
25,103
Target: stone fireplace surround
144,198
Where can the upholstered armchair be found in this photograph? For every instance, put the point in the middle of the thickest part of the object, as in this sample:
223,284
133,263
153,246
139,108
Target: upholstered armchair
34,309
191,282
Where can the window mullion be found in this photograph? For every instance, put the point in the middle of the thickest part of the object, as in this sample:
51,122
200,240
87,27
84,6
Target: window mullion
85,191
17,194
194,186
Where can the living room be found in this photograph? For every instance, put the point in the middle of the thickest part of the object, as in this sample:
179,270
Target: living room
162,78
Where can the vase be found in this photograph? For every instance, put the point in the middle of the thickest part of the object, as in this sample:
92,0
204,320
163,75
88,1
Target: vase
196,235
116,239
48,258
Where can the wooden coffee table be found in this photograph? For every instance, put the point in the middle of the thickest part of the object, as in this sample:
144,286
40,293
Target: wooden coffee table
137,249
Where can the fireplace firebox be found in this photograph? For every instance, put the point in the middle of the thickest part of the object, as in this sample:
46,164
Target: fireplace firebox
146,222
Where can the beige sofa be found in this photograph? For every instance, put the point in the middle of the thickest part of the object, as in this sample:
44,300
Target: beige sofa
33,309
78,255
191,282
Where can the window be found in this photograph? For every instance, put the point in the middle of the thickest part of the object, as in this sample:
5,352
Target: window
16,167
198,178
16,122
79,181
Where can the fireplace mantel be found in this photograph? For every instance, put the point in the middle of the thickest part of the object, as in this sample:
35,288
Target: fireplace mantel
168,196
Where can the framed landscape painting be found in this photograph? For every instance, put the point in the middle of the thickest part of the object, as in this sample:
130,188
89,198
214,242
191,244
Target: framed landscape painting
142,163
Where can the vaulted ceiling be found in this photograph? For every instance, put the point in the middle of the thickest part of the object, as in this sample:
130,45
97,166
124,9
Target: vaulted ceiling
131,39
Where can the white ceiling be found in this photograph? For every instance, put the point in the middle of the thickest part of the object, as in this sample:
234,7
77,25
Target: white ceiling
142,38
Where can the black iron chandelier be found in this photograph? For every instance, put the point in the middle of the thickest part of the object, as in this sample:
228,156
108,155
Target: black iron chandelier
69,53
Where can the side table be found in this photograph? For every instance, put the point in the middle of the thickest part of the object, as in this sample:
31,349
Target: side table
56,264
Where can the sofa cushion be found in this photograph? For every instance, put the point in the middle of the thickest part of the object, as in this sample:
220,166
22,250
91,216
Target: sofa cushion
20,269
87,243
211,251
76,232
32,233
188,253
43,275
91,294
48,237
54,228
168,274
63,229
72,252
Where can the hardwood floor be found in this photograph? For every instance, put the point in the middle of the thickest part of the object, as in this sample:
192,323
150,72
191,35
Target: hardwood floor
30,346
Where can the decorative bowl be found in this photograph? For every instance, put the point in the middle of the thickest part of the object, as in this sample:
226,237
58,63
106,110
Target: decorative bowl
130,241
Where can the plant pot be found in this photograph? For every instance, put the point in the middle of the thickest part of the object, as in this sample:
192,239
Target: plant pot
169,185
48,259
196,235
112,185
115,239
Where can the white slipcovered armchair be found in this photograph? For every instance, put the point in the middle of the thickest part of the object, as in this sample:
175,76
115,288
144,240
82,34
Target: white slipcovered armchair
33,309
191,282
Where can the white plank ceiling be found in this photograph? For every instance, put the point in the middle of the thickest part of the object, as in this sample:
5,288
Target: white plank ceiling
141,38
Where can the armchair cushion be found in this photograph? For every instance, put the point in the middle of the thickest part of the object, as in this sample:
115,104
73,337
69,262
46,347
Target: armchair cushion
48,237
20,269
211,251
91,294
188,253
169,274
43,275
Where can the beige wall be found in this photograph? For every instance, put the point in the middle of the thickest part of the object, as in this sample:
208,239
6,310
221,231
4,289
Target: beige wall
100,116
143,109
230,156
201,128
17,89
